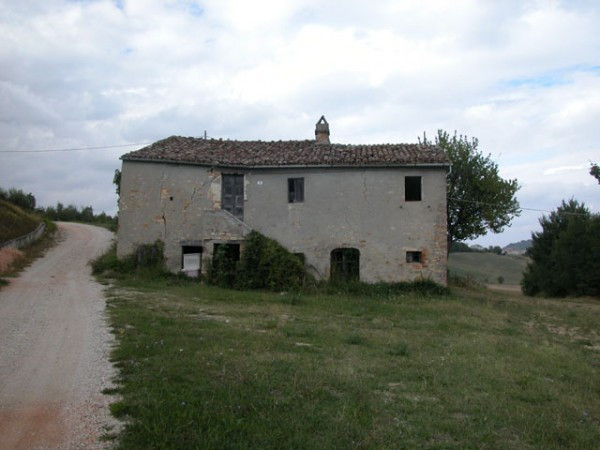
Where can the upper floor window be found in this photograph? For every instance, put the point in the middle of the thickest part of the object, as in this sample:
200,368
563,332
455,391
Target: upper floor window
232,195
295,190
412,189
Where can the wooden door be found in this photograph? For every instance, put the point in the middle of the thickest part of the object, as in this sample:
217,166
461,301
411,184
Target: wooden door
232,195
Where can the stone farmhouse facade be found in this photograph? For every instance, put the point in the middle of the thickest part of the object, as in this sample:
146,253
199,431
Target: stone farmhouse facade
372,212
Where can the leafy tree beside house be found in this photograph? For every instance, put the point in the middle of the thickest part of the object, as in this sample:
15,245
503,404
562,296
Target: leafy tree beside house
564,255
595,171
479,199
117,182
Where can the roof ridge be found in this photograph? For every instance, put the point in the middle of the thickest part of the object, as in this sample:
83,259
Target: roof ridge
256,153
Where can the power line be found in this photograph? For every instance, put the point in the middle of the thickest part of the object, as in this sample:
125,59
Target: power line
206,137
525,209
73,149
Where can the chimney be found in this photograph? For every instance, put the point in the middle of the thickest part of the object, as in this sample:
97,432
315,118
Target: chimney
322,131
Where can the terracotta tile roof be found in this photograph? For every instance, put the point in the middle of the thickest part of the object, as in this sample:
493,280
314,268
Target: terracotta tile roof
285,153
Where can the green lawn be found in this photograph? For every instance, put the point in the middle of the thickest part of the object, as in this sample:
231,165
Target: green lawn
487,267
203,367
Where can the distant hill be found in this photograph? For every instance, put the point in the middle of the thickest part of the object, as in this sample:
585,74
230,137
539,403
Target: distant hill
15,222
487,267
521,245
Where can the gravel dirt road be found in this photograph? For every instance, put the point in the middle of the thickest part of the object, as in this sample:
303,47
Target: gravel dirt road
54,346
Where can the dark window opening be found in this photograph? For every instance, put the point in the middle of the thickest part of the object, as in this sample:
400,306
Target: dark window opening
191,260
345,265
295,190
230,252
414,257
224,263
232,195
412,189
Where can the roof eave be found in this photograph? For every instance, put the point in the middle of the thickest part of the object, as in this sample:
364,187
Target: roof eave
287,166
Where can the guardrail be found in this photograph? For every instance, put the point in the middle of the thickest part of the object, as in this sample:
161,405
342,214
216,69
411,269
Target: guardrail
26,239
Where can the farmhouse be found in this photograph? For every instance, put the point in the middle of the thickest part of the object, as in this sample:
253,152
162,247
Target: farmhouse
368,212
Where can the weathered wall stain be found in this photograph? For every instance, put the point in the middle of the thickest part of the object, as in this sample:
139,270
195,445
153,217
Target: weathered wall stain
342,208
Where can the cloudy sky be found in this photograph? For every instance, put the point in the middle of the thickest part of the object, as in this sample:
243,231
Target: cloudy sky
521,76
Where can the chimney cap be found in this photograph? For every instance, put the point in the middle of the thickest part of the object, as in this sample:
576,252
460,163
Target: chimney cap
322,131
322,125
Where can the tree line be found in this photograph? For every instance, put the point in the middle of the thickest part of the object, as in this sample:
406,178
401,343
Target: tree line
461,247
59,212
19,198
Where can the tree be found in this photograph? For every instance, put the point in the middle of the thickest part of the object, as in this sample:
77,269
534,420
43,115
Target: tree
494,249
86,214
595,171
478,198
564,255
19,197
117,182
460,247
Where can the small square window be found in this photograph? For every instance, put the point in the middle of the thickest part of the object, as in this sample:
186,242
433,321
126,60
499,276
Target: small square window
414,257
412,189
295,190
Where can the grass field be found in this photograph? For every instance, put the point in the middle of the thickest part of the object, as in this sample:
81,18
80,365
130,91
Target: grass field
487,267
14,222
202,367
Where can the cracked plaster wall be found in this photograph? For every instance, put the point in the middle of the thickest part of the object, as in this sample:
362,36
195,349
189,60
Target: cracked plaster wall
160,201
363,209
358,208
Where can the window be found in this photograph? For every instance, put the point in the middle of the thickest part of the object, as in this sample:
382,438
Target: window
229,252
414,257
191,260
412,189
232,195
345,264
295,190
224,264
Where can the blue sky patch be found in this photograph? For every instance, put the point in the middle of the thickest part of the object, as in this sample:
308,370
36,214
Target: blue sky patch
554,78
118,3
542,81
195,10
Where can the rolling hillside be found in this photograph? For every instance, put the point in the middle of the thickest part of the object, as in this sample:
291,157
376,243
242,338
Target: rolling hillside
15,222
487,267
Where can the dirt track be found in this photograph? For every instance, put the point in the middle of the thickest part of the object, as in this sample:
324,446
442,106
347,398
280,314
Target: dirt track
54,346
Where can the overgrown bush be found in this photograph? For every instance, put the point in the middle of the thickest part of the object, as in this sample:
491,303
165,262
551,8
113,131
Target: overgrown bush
147,258
264,264
223,271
